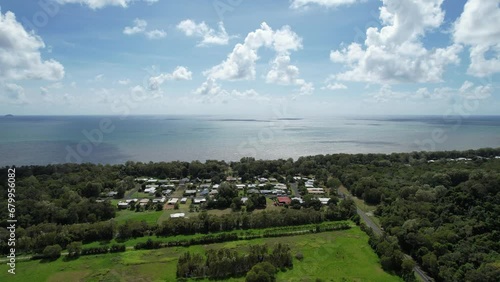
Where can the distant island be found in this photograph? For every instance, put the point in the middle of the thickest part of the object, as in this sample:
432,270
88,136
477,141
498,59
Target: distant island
9,115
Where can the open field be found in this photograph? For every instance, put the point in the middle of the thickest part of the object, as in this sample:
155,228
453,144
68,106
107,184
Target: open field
151,217
330,256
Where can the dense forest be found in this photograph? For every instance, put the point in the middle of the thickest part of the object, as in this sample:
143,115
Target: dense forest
443,208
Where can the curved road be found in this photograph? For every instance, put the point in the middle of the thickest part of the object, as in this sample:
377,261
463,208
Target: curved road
420,273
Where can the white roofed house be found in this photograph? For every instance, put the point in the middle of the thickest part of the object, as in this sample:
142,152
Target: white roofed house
143,202
189,192
199,200
324,201
183,200
315,191
280,186
240,186
159,200
177,215
172,201
123,205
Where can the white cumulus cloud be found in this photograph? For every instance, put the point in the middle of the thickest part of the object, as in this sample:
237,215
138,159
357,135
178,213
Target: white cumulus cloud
478,28
240,63
15,93
211,92
97,4
124,81
395,53
208,35
335,86
469,91
20,56
296,4
139,27
156,34
180,73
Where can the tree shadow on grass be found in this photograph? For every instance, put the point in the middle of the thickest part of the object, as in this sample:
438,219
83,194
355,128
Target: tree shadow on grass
70,258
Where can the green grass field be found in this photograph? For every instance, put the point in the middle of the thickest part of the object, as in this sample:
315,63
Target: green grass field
150,217
330,256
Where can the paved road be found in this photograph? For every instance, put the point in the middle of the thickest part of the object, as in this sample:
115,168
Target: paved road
420,273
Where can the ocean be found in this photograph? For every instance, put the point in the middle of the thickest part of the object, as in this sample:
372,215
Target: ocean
42,140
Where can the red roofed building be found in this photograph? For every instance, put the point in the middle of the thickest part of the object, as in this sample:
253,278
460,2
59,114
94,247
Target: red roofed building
284,200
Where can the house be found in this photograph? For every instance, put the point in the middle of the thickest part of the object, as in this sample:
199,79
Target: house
231,179
262,179
152,180
204,186
272,179
204,192
309,182
298,199
123,205
183,200
167,192
143,202
315,191
244,200
265,192
253,191
151,190
189,192
240,186
131,201
213,192
159,200
112,194
216,186
199,200
141,179
280,186
324,201
284,200
184,180
173,180
172,201
168,186
177,215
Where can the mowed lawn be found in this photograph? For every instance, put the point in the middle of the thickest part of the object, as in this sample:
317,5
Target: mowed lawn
151,217
330,256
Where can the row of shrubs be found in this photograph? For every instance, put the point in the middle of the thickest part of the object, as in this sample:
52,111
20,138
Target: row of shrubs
103,250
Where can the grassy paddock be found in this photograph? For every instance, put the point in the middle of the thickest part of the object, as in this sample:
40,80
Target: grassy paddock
331,256
151,217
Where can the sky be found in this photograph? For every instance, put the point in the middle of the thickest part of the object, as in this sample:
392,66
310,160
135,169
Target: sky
243,57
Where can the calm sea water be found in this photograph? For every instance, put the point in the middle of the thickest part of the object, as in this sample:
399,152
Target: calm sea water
59,139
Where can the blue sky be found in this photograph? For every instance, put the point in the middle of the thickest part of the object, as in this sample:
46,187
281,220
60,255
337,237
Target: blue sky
302,57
